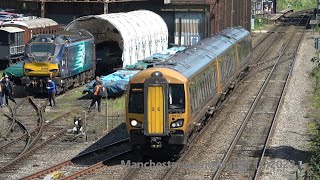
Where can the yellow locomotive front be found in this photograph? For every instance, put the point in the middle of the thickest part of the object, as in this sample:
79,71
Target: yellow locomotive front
157,114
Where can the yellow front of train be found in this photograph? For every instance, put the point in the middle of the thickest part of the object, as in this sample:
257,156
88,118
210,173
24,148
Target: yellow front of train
40,56
157,115
44,69
40,63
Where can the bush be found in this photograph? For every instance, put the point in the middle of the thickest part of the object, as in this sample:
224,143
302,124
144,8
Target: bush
296,5
314,163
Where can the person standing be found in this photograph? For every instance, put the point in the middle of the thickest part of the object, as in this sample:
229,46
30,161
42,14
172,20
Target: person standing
97,81
7,90
98,91
52,89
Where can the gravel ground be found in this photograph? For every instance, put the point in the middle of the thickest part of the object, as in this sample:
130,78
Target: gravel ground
59,150
289,143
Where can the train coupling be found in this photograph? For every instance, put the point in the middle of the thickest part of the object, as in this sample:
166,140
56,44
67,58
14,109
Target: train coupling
155,142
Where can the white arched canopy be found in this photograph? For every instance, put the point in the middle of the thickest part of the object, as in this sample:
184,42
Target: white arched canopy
139,33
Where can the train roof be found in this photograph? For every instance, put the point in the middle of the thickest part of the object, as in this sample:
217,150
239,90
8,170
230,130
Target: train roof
63,37
139,33
33,23
11,29
198,56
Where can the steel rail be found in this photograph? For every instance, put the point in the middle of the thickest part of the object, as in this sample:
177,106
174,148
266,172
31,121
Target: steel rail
32,149
70,161
95,167
256,63
169,173
271,129
12,111
101,148
30,141
249,114
246,119
46,125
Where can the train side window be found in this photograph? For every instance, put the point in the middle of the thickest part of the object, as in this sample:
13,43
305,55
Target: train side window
195,97
215,80
192,100
209,82
12,38
201,91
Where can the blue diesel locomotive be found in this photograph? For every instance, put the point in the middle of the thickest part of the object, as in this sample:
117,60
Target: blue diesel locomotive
68,57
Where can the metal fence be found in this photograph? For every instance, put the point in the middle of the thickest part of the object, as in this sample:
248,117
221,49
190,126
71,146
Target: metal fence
115,112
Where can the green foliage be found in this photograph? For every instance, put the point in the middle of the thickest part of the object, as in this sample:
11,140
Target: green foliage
314,162
263,24
317,29
316,96
296,5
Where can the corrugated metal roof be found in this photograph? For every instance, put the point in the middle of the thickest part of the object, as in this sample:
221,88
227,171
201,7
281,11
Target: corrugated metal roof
11,29
138,33
198,56
33,23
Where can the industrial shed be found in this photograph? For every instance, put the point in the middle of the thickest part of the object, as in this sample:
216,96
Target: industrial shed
139,34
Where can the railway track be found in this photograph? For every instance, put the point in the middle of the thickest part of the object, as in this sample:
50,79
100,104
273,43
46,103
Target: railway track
80,170
35,137
31,121
245,156
87,162
168,173
240,160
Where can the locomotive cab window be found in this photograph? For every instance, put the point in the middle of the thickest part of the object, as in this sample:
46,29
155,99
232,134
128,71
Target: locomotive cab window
43,49
176,101
136,99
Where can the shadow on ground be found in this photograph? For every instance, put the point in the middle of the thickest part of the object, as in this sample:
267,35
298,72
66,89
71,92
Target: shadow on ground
117,134
287,153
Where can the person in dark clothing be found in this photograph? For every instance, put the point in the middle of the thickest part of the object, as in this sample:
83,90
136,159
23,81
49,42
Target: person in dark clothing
98,91
7,90
97,81
52,89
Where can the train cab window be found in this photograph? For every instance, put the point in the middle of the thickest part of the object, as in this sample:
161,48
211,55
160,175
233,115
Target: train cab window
136,99
42,49
176,101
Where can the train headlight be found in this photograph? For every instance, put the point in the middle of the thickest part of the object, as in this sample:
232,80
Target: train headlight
178,123
135,123
54,70
26,70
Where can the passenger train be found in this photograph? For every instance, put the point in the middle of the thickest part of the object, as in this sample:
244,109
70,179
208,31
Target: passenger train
165,104
68,57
